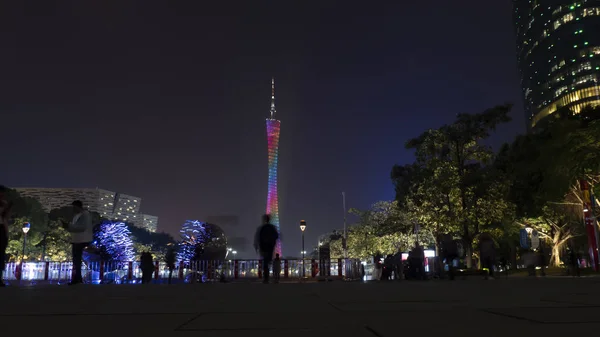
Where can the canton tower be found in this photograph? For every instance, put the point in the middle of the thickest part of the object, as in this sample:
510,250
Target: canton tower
273,127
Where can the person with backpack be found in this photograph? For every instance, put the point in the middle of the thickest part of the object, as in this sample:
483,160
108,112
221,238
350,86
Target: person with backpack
265,241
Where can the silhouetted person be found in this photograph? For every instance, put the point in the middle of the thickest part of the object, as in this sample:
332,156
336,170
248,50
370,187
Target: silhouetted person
5,207
82,234
450,253
418,262
276,268
542,259
574,262
147,266
265,241
170,260
488,254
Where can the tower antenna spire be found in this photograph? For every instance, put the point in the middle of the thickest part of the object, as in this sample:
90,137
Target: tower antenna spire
273,97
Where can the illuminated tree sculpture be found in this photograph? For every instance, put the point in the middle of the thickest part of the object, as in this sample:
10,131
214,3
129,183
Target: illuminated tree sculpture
200,240
273,127
114,241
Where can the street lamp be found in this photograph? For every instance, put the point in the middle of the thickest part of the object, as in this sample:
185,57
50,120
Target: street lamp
303,228
26,227
234,253
228,252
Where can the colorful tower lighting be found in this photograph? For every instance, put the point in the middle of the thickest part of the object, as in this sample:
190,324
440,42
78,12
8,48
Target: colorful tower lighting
273,127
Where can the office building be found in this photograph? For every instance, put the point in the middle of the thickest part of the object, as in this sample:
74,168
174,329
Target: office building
110,205
558,53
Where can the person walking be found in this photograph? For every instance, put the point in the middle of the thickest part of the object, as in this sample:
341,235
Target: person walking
265,241
82,234
5,208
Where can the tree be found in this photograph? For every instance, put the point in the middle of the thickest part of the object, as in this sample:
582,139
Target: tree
456,189
558,224
113,238
25,210
383,229
146,241
201,240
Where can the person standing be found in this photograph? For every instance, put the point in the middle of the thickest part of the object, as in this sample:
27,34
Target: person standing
265,241
488,254
5,207
449,253
82,234
171,259
276,268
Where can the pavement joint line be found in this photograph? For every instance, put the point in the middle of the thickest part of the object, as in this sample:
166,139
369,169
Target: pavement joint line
520,318
373,331
100,314
398,301
572,304
181,327
247,329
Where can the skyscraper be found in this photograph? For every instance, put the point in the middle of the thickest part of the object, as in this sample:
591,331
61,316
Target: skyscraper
273,127
558,52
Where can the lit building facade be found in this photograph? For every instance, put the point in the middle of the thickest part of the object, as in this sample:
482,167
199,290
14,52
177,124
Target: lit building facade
558,52
108,204
148,222
273,129
127,208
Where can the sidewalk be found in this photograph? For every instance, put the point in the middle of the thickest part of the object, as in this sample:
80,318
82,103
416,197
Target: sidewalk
549,307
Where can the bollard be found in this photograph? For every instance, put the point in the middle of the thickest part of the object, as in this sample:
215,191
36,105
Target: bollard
340,268
260,269
313,268
46,271
236,269
156,269
286,269
130,271
181,270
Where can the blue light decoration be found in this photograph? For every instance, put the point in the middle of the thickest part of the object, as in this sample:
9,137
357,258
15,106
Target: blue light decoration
192,234
201,240
113,239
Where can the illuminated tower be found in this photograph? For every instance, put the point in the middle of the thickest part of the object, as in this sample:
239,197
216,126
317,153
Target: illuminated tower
273,127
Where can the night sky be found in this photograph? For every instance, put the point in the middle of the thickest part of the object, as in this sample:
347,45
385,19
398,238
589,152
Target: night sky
167,100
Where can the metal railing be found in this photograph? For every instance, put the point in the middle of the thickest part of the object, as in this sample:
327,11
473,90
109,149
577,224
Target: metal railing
192,272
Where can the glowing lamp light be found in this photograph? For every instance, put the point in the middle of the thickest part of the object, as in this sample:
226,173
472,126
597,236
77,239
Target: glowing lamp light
26,227
529,230
585,209
302,225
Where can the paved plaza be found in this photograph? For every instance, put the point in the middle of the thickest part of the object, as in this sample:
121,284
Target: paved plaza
519,307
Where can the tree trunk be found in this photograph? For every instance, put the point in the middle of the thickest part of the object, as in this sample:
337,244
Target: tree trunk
469,253
555,258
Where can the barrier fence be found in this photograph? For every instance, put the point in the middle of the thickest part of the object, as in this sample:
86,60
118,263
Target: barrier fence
192,272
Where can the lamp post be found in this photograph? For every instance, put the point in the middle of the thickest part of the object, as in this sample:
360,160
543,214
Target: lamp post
234,253
303,228
26,227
